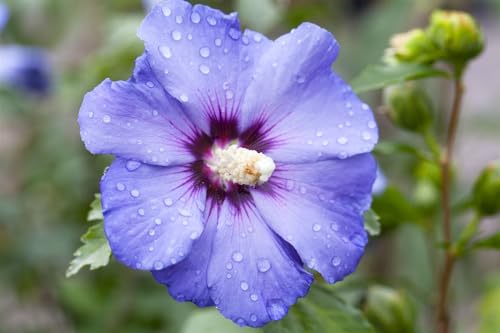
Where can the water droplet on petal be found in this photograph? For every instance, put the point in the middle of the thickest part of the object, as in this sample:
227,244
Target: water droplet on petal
204,69
157,221
263,265
120,187
152,232
319,134
244,286
240,321
185,212
237,256
229,94
135,193
166,11
229,266
158,265
205,52
358,240
179,19
165,51
211,20
194,235
168,202
218,42
132,165
365,106
253,317
257,38
276,309
184,98
366,136
91,114
372,124
254,297
150,84
316,227
342,140
195,17
334,226
176,35
234,33
336,261
141,212
303,190
106,119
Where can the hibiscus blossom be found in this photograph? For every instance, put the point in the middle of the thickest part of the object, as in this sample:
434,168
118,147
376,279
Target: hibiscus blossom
239,160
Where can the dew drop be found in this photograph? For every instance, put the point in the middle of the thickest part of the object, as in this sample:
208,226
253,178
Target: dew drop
245,40
135,193
205,52
253,317
152,232
91,114
263,265
141,211
168,202
234,33
254,297
334,226
158,265
211,20
204,69
228,275
302,190
185,212
366,136
120,187
316,227
176,35
166,11
257,38
342,140
276,309
319,134
179,19
184,98
194,235
106,119
244,286
371,124
336,261
229,266
132,165
165,51
229,94
365,106
195,18
157,221
150,84
237,256
218,42
358,240
325,143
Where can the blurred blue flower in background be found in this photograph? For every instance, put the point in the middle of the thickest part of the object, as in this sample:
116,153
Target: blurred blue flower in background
239,160
4,15
380,183
21,67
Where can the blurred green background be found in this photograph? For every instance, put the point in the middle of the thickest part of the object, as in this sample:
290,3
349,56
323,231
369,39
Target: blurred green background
47,179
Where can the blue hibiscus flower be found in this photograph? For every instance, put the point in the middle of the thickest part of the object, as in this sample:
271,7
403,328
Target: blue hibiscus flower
21,67
240,161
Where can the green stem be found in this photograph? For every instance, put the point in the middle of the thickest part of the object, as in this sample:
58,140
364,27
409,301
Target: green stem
443,318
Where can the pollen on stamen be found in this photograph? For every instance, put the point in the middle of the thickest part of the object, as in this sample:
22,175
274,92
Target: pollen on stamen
240,165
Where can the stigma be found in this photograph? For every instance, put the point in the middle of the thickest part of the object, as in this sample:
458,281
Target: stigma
240,165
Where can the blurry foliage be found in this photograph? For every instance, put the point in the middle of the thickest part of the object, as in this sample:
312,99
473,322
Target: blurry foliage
47,178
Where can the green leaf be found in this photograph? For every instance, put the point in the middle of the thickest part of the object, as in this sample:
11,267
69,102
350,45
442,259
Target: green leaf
95,212
379,76
321,311
372,222
95,251
211,321
394,208
492,242
489,319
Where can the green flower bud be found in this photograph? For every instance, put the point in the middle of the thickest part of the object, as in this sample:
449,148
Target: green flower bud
486,193
456,34
409,107
412,46
389,310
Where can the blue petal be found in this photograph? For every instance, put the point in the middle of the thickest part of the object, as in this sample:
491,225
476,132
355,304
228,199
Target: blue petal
253,276
318,208
310,112
187,280
136,120
152,215
200,55
25,68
